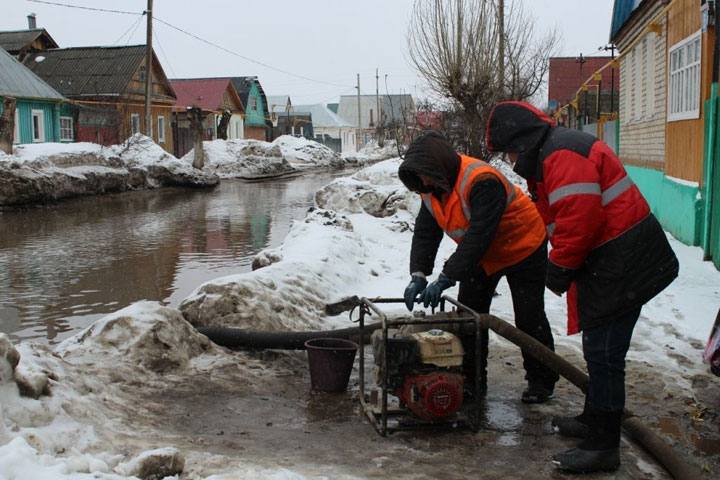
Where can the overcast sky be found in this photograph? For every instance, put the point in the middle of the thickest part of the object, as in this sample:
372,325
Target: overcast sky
311,50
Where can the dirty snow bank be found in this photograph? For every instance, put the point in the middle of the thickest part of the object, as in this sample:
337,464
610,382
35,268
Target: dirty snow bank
250,159
48,172
372,152
302,153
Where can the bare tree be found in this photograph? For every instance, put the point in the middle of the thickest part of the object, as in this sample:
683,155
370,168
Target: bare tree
455,45
7,125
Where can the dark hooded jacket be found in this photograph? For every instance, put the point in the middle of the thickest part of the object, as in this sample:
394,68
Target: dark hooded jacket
609,252
431,155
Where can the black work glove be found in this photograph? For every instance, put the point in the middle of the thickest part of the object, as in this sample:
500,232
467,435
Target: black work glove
431,295
415,287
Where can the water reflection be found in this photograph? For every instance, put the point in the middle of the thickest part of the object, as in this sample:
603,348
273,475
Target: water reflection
64,266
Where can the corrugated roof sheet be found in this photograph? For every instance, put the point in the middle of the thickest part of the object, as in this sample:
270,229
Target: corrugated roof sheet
87,71
14,41
206,93
622,9
323,116
278,103
17,81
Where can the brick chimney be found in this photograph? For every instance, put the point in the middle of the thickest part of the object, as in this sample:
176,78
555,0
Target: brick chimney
32,25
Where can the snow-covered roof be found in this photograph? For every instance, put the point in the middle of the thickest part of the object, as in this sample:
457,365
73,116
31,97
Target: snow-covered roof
18,81
323,116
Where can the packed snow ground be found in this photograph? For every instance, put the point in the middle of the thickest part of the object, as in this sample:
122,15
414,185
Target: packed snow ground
77,412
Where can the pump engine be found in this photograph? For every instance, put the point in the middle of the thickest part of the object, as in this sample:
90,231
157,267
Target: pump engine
424,371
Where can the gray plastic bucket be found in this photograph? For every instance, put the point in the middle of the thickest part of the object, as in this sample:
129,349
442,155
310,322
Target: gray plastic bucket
331,361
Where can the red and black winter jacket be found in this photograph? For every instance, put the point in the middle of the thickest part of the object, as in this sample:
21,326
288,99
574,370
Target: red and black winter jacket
604,238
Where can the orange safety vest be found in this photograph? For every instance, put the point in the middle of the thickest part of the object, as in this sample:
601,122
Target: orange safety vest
520,232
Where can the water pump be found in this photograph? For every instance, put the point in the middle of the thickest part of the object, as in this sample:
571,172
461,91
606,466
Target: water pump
424,371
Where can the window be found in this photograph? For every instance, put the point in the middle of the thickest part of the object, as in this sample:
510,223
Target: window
684,97
134,123
66,129
637,81
161,129
38,126
252,102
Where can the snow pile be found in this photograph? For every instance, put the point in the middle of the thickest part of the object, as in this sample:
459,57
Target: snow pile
372,152
99,405
301,152
251,159
47,172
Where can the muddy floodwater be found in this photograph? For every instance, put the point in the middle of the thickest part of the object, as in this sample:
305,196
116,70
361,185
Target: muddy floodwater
64,266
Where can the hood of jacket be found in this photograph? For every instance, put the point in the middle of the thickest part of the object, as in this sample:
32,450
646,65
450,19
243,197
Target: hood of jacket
431,155
518,127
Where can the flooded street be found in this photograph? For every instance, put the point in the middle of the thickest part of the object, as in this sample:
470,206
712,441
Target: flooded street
66,265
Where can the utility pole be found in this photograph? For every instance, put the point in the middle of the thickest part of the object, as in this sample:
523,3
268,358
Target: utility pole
377,95
357,136
612,49
148,70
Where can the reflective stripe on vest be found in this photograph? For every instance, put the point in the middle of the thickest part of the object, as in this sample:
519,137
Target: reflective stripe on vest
620,187
459,233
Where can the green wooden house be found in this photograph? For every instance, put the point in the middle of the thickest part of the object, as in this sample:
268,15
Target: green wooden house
258,125
40,115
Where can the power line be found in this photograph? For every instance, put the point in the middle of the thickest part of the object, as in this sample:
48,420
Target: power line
167,60
84,8
246,58
134,24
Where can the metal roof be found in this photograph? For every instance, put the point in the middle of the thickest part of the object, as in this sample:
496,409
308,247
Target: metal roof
17,81
16,40
323,116
87,71
206,93
622,10
278,103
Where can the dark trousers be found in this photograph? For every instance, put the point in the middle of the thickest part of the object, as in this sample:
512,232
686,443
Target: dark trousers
527,286
604,349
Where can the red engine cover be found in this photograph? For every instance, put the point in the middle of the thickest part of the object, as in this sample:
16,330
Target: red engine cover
432,396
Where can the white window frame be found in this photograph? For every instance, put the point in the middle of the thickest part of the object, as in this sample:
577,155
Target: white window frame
161,128
253,103
38,136
684,78
66,129
134,123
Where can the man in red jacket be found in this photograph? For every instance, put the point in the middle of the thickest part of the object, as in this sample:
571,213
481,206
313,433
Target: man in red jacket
609,254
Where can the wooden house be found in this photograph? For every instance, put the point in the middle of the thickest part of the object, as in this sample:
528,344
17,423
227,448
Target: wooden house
258,125
39,107
214,96
108,85
666,50
21,43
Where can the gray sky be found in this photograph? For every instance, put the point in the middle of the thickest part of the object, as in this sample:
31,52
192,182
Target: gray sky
311,50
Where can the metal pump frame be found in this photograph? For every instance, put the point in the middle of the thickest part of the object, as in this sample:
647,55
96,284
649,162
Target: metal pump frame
379,416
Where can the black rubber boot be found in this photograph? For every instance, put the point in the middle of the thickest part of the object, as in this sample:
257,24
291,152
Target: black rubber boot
599,452
576,426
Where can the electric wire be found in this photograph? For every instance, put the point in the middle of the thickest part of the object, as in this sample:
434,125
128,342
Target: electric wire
137,25
85,8
244,57
162,50
134,24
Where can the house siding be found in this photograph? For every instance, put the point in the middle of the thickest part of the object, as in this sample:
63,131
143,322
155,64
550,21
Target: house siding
642,137
255,117
51,119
